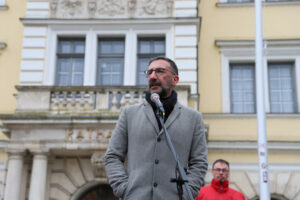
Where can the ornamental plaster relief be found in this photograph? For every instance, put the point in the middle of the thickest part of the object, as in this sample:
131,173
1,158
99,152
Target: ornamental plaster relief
88,134
97,161
82,9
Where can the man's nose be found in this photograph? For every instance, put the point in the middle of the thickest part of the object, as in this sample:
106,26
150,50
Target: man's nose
152,75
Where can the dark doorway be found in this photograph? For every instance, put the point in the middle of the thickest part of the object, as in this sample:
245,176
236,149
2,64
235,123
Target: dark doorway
98,192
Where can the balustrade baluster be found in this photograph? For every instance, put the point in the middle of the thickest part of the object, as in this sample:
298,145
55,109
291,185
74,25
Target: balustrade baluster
73,100
114,101
56,100
65,100
91,100
82,100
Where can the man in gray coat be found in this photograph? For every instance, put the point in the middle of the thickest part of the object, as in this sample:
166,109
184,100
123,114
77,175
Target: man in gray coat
139,138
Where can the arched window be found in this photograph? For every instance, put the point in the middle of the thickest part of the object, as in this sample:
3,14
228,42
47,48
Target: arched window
98,192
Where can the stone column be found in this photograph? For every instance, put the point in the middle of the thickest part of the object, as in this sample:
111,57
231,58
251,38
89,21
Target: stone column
38,177
14,176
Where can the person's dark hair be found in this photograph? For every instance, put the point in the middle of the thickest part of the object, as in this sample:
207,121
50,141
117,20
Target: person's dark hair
220,161
171,62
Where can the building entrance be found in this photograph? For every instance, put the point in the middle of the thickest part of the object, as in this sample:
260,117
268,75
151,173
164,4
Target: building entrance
98,192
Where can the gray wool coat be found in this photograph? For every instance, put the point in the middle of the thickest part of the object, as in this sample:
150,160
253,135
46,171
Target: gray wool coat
150,164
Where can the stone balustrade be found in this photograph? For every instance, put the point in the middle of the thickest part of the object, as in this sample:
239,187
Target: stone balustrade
84,99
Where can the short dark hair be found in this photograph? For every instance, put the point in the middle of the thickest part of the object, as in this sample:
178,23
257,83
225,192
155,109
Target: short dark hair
220,161
171,62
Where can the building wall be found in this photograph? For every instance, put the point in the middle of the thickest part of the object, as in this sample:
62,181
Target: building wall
225,26
11,32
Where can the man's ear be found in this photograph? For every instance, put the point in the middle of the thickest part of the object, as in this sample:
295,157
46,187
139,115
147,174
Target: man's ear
176,79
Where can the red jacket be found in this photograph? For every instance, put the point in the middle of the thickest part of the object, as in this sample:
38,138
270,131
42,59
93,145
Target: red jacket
219,191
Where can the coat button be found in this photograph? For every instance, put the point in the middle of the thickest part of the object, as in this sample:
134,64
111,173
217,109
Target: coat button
156,161
158,139
155,185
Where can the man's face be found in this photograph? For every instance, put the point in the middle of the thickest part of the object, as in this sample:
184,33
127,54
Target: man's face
220,171
162,82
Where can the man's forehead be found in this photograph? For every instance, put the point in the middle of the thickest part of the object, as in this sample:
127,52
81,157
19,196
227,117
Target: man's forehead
222,165
159,63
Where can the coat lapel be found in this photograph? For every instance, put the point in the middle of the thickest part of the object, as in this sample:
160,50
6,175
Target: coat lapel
150,115
172,117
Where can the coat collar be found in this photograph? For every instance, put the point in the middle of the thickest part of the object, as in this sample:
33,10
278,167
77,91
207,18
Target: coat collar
151,116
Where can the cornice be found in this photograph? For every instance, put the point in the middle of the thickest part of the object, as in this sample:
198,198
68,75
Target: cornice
248,146
144,21
251,43
251,4
250,116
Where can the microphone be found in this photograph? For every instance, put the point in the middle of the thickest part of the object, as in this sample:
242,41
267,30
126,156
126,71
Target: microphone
159,105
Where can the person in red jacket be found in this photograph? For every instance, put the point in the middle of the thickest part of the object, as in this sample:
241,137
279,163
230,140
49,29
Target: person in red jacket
219,187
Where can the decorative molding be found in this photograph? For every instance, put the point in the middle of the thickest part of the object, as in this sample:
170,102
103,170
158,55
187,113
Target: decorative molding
251,4
95,22
251,43
97,160
228,146
67,9
250,116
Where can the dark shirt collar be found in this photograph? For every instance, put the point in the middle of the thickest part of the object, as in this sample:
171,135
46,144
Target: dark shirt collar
168,103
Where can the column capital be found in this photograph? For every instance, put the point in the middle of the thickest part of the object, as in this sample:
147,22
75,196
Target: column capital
43,151
15,153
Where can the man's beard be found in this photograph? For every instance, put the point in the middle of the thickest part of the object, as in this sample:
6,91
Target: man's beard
164,90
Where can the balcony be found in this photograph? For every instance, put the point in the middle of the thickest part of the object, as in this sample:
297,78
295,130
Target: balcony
83,100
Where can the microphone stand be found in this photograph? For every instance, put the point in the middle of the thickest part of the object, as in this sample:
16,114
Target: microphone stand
182,178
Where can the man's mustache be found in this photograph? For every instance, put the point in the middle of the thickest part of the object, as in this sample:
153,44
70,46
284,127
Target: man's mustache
154,83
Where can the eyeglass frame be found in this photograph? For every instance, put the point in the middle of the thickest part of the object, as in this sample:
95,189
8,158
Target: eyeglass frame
148,72
219,170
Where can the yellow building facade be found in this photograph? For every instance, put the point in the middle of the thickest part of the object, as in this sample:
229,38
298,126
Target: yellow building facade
58,122
227,48
11,34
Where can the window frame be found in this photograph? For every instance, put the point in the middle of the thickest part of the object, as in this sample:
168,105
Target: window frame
99,56
293,76
68,55
244,52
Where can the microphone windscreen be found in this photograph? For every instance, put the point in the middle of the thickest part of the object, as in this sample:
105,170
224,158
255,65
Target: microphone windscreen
154,97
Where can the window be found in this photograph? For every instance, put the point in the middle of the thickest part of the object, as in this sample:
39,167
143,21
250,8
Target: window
148,48
281,88
242,92
2,2
110,69
70,61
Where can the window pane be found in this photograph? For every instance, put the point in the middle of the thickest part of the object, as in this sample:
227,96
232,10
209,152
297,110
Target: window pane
281,88
242,88
159,47
144,47
79,47
110,71
65,47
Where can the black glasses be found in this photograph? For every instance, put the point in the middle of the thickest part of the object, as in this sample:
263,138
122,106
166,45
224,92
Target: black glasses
158,71
221,170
